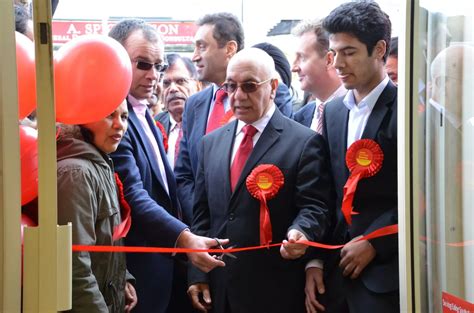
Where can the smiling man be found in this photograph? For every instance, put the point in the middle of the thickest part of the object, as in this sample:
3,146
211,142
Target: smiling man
263,280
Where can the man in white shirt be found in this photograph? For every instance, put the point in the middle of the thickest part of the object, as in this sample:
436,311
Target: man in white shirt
317,75
363,275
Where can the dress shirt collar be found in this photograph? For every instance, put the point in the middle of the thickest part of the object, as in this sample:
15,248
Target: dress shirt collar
139,106
369,101
261,123
173,123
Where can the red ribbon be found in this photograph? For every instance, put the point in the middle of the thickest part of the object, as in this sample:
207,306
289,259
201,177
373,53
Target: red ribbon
384,231
364,159
263,183
163,133
122,229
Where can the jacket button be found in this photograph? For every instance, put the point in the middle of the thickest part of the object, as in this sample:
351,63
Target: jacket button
231,216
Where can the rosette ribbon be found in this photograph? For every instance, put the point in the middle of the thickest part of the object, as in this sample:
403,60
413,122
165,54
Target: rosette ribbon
364,159
121,230
263,183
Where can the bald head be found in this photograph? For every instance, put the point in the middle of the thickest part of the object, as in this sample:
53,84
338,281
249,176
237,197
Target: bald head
451,61
448,70
255,59
252,76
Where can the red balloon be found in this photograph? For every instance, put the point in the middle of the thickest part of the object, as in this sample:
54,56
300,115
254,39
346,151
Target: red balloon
25,66
29,163
93,74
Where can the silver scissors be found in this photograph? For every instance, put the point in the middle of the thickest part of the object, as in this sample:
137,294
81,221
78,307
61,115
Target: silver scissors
221,257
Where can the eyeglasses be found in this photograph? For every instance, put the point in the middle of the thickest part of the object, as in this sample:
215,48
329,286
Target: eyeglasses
179,82
145,66
247,87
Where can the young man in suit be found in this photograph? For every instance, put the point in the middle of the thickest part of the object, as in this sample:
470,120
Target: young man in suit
148,181
313,64
363,276
219,37
263,280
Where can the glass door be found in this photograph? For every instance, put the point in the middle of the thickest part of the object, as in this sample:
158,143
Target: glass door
443,119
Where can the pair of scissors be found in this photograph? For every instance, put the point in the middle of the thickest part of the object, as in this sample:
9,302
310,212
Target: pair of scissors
221,257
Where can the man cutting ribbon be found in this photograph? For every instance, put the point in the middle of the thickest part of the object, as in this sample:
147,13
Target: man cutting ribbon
261,179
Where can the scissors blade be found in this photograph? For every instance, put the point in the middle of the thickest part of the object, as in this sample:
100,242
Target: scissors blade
229,254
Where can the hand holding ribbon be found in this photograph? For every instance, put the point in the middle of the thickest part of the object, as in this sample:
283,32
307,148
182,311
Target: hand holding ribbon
292,248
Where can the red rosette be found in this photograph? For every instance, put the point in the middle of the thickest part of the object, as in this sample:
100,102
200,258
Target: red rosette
121,230
364,159
163,133
263,183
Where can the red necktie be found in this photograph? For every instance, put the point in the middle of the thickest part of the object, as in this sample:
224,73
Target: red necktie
242,154
217,111
178,140
319,127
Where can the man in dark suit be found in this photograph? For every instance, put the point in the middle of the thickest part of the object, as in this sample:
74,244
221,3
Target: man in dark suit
313,64
179,82
363,276
148,181
258,281
217,39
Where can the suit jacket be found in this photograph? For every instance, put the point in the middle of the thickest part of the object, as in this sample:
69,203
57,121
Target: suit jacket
304,116
194,126
261,281
154,212
376,197
164,119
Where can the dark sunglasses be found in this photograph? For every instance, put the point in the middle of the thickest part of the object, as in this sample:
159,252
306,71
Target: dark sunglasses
247,87
145,66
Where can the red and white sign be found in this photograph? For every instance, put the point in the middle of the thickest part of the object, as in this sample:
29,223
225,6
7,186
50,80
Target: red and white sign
453,304
174,33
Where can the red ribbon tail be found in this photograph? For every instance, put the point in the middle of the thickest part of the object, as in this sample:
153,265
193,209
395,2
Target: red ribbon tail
349,192
265,223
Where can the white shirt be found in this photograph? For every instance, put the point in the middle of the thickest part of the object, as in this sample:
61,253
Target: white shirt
359,113
140,108
172,138
341,91
259,125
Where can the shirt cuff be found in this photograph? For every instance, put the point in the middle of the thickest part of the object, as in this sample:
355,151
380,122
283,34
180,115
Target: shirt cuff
315,263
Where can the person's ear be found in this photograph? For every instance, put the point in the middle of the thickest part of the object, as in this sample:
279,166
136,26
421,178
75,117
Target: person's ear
329,59
380,49
231,48
274,84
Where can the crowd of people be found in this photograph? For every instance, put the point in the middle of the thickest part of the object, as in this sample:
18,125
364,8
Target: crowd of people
228,163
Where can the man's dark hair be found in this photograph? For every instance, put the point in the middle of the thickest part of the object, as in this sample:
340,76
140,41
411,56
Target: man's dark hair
364,20
124,28
227,27
394,47
172,58
21,19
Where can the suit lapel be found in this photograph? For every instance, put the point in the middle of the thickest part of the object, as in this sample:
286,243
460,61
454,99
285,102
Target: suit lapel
224,147
378,112
270,135
308,116
339,125
134,123
202,109
168,170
